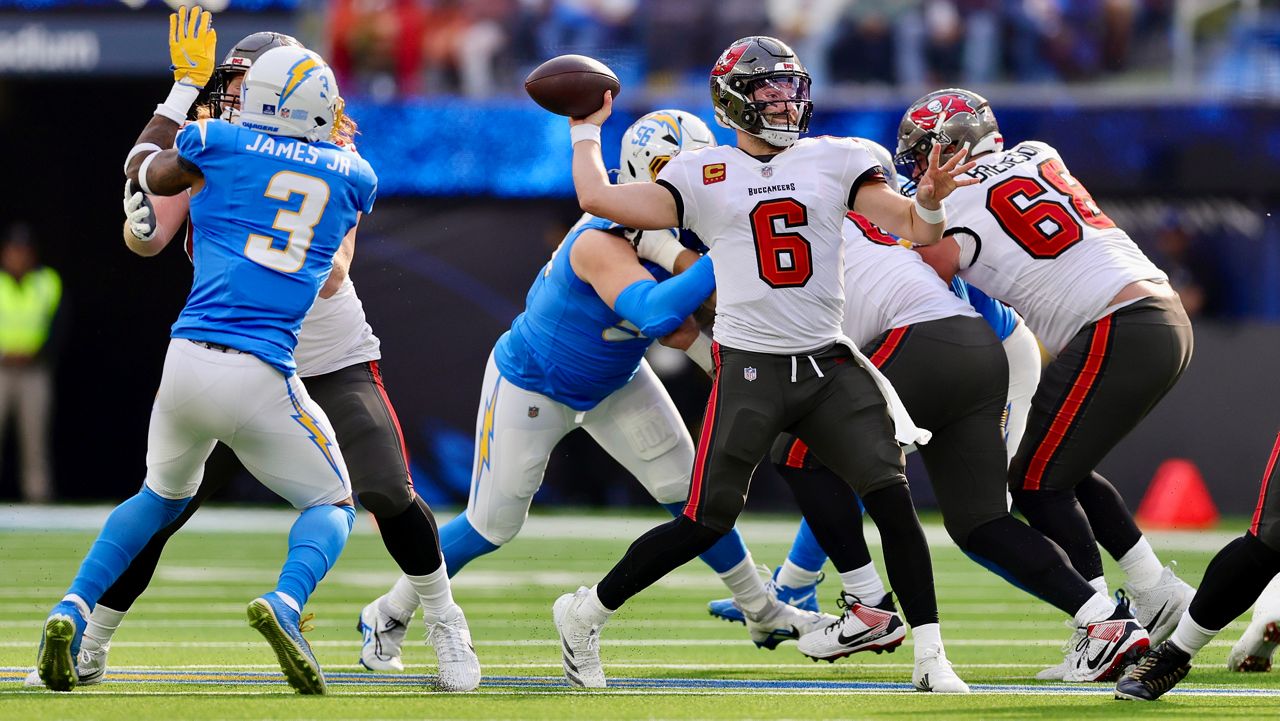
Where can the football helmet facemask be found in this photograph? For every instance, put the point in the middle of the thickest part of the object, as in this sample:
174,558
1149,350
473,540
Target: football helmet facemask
290,91
237,62
653,140
760,87
953,118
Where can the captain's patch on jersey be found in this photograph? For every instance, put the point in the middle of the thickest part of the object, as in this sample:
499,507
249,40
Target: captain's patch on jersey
713,173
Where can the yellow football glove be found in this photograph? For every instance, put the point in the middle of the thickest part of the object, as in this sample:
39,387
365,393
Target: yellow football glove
193,45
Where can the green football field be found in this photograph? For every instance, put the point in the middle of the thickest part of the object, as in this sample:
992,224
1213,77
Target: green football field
186,651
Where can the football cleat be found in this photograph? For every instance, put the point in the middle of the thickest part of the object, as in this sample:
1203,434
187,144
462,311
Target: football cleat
861,628
383,638
1059,672
60,645
91,666
803,597
933,673
579,640
1252,653
458,669
1160,607
1158,671
780,621
1107,647
281,626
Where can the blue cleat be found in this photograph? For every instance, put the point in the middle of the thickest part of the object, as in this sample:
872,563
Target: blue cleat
282,628
804,598
60,644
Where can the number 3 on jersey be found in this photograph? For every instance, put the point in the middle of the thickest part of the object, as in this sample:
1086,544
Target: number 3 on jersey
783,256
298,224
1045,228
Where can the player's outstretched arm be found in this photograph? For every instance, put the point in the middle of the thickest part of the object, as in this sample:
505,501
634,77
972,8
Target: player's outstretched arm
644,206
151,221
341,263
921,220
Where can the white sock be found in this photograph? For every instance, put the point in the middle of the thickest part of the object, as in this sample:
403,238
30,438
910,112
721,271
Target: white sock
289,601
103,623
433,593
744,583
1100,585
864,583
401,601
926,636
1141,565
1097,608
598,611
1191,636
793,576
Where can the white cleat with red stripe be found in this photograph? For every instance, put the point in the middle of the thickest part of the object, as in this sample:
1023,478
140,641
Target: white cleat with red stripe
861,628
1106,648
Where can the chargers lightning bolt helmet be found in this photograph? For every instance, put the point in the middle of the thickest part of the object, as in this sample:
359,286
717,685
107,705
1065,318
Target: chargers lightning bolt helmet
754,64
237,62
954,119
653,140
290,91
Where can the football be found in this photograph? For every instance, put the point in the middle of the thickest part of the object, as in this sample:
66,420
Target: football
571,85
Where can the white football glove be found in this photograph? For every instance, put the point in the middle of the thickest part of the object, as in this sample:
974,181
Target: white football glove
139,213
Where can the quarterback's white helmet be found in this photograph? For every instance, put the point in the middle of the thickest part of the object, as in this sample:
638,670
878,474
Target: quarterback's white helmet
653,140
882,156
290,91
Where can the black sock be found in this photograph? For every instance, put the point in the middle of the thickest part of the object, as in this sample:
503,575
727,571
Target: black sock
412,539
834,515
1057,515
1109,517
906,553
652,556
1034,561
1232,582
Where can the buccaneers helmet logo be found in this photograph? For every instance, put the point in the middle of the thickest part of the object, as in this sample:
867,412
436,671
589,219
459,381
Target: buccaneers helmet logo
938,110
729,59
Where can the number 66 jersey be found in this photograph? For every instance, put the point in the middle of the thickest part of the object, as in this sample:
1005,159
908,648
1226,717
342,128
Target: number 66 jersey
1031,235
271,214
774,227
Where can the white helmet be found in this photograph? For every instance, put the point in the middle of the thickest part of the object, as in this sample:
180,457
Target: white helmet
651,142
290,91
881,155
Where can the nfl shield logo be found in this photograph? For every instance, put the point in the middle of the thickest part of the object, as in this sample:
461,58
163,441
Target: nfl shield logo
533,411
767,171
749,373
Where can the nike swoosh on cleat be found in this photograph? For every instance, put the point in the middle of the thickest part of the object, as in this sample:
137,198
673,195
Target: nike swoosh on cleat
866,635
1155,620
803,599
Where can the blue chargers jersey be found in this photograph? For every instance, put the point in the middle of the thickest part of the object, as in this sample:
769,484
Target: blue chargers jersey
568,344
266,224
1001,317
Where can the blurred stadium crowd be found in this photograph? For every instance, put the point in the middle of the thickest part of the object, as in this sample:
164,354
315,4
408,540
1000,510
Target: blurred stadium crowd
479,48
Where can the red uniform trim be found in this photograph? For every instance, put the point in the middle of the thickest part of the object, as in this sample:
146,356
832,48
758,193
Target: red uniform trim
890,346
1266,481
796,454
391,411
704,440
1066,414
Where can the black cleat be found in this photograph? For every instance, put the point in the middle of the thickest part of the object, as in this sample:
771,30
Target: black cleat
1158,671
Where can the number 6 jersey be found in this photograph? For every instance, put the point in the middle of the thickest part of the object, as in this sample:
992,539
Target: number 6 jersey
266,224
1032,236
774,230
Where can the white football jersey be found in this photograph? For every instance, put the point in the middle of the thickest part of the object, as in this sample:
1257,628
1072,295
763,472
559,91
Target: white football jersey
887,286
774,230
1031,235
335,334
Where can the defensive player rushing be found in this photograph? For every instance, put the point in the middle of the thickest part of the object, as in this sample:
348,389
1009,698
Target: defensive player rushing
771,211
575,358
337,355
1242,571
1030,234
229,374
950,370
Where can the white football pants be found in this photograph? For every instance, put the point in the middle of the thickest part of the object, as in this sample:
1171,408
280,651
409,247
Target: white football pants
516,430
283,437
